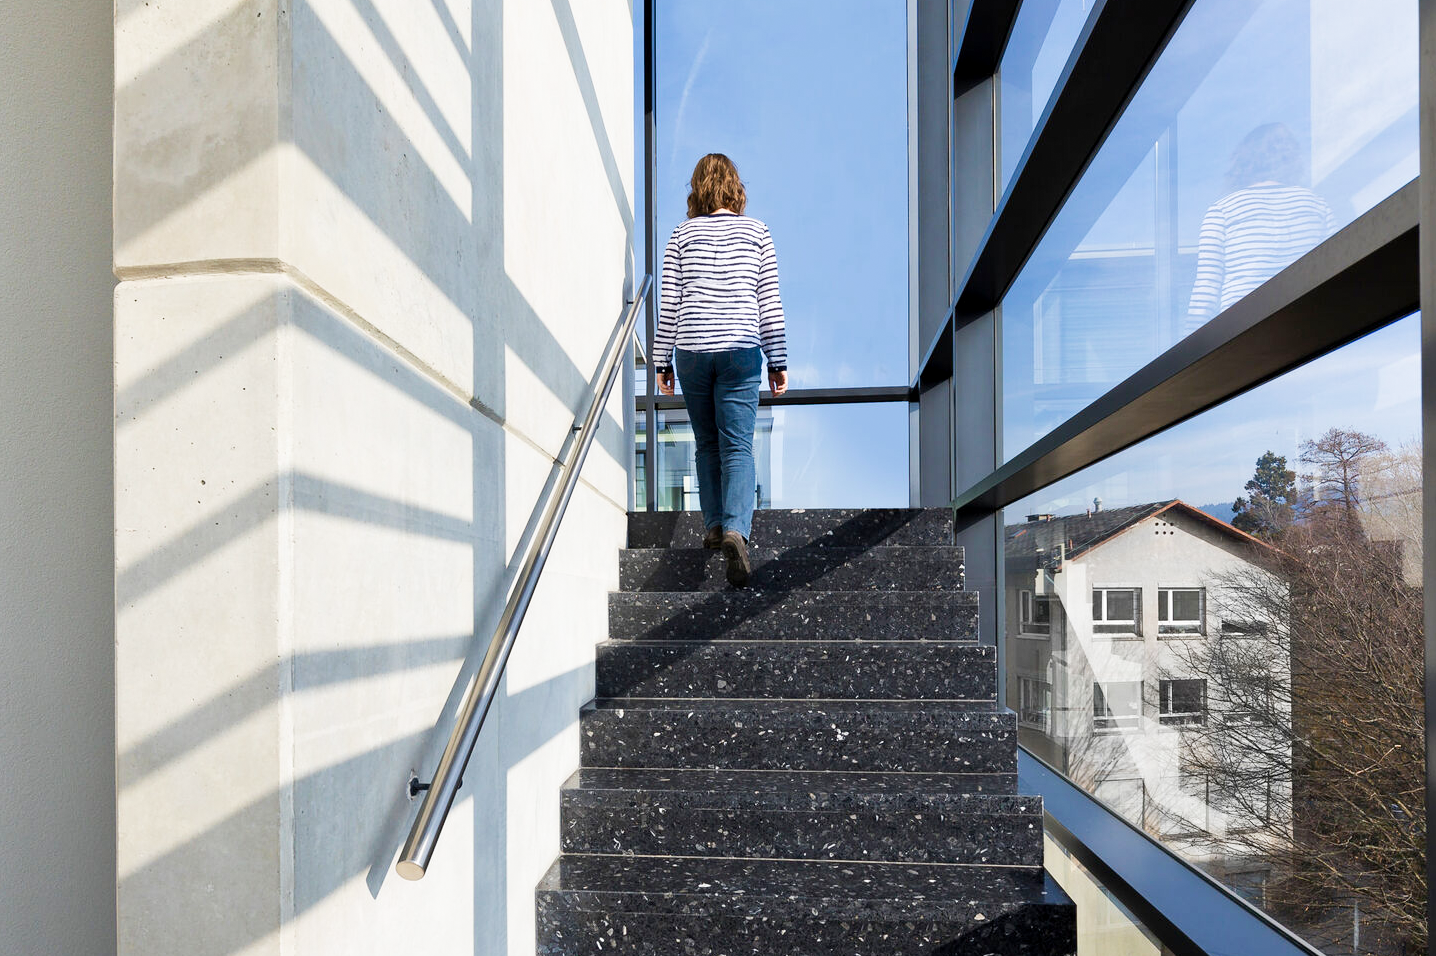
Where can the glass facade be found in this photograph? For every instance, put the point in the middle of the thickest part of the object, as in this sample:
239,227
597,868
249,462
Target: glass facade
807,456
1042,37
823,154
1231,652
1263,128
1207,592
824,159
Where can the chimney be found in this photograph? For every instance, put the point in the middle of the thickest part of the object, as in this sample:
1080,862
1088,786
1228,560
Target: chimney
1096,504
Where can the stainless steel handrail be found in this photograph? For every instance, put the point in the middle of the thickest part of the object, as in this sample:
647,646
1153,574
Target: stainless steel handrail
439,798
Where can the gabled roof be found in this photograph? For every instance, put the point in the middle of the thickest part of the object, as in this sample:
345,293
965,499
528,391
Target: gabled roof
1071,536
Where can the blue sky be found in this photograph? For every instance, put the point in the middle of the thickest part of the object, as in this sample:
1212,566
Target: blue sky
1372,385
809,98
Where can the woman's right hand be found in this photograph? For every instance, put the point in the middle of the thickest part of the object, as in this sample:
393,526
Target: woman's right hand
665,382
777,381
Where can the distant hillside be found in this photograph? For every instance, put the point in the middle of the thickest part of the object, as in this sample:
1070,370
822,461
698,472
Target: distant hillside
1220,512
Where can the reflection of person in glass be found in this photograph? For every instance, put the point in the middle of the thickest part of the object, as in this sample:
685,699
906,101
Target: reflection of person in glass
719,315
1262,225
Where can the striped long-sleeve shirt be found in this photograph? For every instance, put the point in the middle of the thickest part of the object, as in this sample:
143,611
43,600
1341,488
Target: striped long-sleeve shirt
1249,236
720,291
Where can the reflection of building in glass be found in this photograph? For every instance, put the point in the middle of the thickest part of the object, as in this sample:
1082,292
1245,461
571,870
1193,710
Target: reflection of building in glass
1110,616
678,471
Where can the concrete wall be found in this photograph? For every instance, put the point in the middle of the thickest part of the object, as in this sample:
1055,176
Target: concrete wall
370,251
56,615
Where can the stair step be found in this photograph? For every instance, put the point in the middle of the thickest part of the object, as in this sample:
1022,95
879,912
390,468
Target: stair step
868,736
794,616
792,670
651,905
846,527
822,569
815,816
820,789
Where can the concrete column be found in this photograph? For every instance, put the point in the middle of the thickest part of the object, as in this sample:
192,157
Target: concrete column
369,252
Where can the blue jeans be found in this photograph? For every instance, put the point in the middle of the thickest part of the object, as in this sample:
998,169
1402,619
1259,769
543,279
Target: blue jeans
720,390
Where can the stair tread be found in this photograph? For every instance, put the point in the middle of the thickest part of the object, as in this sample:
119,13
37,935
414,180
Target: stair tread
801,708
808,552
816,784
878,568
817,646
815,525
619,883
893,597
798,616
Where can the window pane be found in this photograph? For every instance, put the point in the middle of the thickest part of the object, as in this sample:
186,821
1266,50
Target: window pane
1037,50
1264,126
1300,533
822,151
1121,606
806,456
1186,605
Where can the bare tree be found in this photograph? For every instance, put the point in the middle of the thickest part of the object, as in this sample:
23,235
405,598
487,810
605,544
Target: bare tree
1315,678
1337,459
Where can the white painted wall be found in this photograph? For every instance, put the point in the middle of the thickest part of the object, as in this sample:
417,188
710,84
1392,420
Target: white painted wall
56,615
370,256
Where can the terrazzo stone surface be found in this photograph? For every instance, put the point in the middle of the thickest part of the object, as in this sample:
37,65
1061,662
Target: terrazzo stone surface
654,905
804,615
807,789
847,527
833,823
811,766
800,735
793,670
821,569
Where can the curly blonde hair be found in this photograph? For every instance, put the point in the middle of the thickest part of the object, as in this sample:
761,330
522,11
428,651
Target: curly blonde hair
715,185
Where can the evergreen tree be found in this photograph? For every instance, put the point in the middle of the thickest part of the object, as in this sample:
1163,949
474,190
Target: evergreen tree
1267,508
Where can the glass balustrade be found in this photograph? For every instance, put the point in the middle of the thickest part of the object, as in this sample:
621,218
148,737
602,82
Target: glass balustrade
1218,634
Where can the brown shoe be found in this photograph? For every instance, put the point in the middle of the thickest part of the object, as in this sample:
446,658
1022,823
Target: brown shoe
735,549
713,538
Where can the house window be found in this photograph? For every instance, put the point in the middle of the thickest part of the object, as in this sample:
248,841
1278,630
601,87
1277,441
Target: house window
1181,611
1116,706
1250,700
1238,628
1244,801
1034,617
1250,886
1116,610
1184,702
1034,703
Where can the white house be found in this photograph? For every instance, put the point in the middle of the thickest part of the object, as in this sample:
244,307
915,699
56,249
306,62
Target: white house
1110,617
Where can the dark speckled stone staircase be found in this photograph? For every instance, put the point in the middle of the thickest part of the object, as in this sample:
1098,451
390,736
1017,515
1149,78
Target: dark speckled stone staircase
813,766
